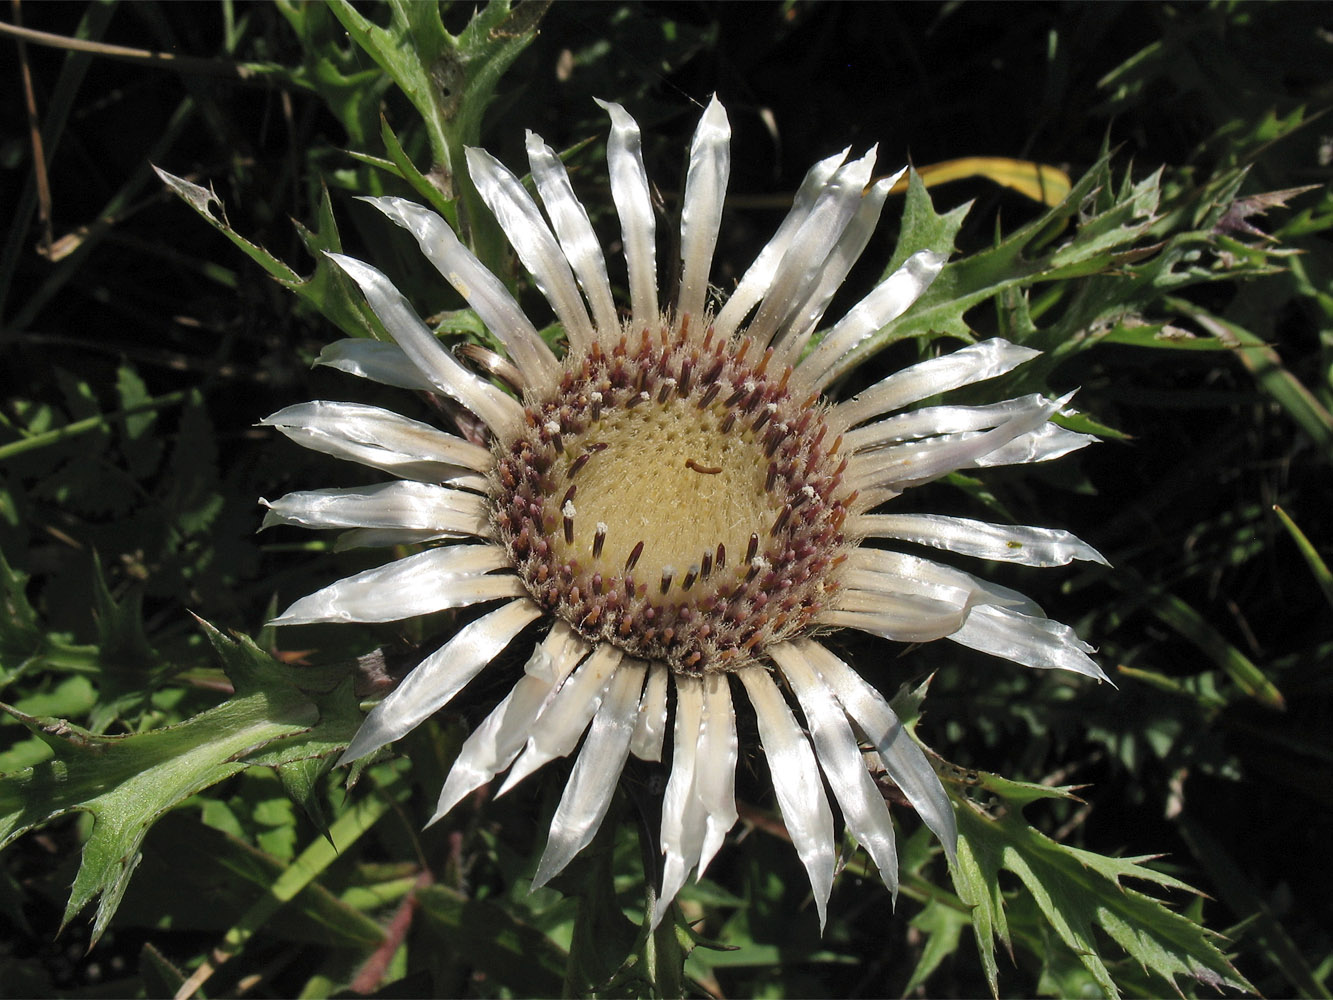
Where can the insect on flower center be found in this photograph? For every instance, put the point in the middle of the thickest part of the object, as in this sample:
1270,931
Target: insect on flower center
674,498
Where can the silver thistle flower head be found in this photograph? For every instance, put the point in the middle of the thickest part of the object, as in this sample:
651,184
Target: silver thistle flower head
673,508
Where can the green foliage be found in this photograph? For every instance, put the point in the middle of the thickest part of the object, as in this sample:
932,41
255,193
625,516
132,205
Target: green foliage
1075,891
450,80
328,289
24,645
1108,234
1185,281
128,782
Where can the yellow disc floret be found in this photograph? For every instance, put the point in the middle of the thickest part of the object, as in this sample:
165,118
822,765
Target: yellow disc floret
675,500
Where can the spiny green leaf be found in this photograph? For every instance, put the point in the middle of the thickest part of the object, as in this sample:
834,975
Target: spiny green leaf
331,291
1076,891
24,645
922,227
120,633
127,782
1017,260
1019,793
327,289
973,873
335,69
19,629
409,52
302,758
942,925
408,171
126,662
1118,224
450,80
202,199
906,704
1075,420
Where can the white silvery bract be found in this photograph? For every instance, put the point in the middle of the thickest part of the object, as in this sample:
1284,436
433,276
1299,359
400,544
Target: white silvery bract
667,513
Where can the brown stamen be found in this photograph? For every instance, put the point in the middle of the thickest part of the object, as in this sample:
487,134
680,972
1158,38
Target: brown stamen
578,464
707,470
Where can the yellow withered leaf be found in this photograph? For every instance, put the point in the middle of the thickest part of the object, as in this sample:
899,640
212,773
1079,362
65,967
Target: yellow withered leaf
1038,181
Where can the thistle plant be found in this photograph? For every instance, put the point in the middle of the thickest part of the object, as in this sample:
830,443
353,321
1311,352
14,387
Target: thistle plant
668,630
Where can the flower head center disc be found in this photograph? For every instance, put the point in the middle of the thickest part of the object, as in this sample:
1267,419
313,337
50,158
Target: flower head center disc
672,497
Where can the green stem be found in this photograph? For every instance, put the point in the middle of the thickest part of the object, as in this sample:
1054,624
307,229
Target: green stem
663,960
89,424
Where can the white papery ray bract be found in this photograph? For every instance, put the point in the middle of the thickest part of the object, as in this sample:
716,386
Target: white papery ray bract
683,507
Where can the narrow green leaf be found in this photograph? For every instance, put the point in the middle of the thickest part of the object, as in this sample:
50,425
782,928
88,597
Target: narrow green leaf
1190,624
327,289
345,831
408,171
1239,667
1198,688
1270,374
1159,335
186,860
1318,568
